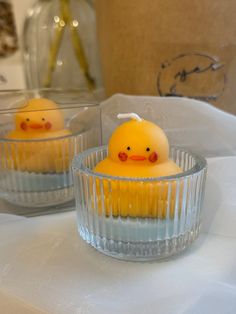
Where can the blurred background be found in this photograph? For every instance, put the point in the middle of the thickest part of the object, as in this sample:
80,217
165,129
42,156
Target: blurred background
132,47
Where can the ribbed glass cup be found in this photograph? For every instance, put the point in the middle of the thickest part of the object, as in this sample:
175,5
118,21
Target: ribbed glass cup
52,184
139,218
35,168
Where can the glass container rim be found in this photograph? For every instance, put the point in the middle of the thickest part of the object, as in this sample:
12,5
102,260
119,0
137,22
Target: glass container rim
77,164
81,102
42,140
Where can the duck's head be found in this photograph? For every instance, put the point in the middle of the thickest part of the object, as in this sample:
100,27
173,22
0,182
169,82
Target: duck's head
39,115
138,142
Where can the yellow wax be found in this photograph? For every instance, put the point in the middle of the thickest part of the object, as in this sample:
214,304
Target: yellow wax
137,149
39,119
137,199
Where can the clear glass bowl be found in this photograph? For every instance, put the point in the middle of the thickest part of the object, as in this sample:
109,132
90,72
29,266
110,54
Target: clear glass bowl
139,219
35,174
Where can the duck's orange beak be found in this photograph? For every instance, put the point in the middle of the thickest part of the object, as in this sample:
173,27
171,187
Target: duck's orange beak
36,126
137,158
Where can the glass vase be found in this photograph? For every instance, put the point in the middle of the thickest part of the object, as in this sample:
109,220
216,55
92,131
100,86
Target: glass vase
60,48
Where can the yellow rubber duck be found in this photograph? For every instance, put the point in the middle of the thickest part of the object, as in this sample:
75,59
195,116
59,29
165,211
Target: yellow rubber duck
137,149
39,142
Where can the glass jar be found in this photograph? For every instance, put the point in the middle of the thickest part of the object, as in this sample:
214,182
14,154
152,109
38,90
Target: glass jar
60,48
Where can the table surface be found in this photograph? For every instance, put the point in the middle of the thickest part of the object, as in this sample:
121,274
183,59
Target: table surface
45,267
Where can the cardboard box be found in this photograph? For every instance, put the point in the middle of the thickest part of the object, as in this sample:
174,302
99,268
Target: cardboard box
177,48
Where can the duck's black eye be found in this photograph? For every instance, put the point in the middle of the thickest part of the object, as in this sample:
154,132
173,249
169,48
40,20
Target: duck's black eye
148,149
27,119
128,148
43,119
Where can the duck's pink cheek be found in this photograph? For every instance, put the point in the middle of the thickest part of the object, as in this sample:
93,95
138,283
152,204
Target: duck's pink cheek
153,157
122,156
23,125
48,125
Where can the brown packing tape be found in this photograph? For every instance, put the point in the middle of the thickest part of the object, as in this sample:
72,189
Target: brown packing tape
185,48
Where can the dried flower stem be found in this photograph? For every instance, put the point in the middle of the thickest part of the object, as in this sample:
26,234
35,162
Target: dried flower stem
53,53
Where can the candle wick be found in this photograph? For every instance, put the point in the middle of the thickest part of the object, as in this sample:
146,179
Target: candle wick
131,115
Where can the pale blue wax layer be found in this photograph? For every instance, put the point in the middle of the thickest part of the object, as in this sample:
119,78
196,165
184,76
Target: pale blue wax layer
19,181
139,229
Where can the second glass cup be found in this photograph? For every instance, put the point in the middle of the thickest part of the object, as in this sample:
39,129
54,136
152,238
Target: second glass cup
35,170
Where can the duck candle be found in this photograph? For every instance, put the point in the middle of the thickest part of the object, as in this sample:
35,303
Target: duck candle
137,149
39,140
39,118
133,201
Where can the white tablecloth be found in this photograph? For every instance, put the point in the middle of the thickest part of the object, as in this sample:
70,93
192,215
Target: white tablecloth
46,268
